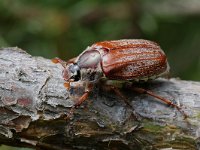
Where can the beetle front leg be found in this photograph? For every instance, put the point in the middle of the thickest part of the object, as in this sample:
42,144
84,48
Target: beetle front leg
84,97
67,85
78,103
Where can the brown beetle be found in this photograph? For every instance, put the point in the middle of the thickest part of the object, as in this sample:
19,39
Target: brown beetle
127,59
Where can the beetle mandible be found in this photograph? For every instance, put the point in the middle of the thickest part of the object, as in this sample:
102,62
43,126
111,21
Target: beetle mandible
126,59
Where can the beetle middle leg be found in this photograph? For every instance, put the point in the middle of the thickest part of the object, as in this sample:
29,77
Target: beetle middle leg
117,91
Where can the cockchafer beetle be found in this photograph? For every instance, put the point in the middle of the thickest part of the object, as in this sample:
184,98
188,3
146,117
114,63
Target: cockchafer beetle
126,59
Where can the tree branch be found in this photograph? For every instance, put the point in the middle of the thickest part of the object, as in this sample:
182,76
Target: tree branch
34,103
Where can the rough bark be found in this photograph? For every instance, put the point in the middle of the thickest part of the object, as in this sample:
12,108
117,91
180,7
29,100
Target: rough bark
34,102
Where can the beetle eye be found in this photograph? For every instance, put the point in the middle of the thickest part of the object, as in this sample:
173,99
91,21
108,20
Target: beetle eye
74,70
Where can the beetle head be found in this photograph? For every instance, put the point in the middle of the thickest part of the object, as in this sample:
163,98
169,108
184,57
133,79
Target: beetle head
72,72
85,68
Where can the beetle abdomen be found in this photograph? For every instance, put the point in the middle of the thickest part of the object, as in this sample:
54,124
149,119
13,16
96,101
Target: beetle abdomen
133,59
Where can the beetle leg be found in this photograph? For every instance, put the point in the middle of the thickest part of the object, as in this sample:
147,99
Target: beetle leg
119,93
123,98
84,97
166,101
78,103
67,85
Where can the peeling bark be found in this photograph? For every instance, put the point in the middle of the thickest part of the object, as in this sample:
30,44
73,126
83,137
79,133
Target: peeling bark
34,102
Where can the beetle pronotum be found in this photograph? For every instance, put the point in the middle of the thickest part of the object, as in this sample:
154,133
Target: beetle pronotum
127,59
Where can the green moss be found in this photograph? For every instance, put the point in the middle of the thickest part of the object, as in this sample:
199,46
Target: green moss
183,143
152,127
198,115
158,133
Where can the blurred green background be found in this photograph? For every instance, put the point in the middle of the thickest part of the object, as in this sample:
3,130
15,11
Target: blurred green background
51,28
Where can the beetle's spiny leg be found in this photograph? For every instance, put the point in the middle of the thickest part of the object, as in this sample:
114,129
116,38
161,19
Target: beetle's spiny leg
77,104
125,100
119,93
167,101
80,100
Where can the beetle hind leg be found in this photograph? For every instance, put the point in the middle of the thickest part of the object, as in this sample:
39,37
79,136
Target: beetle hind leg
166,101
